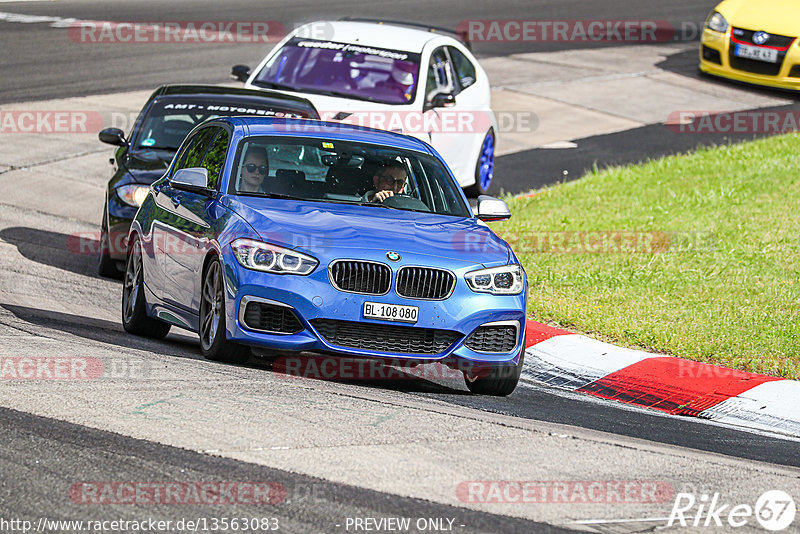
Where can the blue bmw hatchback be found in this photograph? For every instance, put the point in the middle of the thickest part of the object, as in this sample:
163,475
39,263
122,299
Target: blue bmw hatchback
300,235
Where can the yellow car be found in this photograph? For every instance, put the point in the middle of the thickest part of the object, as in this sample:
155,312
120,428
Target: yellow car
754,41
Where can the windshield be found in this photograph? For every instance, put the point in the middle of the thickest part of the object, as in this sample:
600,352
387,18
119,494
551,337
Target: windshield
168,121
346,173
339,69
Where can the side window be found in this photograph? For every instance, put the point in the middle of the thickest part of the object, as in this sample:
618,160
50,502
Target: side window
196,149
440,75
464,69
215,158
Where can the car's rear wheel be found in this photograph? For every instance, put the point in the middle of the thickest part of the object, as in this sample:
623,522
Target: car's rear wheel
497,381
213,343
107,267
484,168
134,314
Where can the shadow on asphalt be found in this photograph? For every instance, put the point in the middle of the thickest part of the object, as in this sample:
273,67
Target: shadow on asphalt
686,64
552,166
66,252
537,168
183,346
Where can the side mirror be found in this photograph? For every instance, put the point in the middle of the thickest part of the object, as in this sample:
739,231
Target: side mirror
192,179
492,209
112,136
442,100
240,72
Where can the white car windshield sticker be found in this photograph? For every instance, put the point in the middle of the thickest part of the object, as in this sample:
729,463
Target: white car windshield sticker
381,52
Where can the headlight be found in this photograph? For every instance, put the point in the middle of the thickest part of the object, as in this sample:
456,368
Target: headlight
133,195
270,258
506,280
717,22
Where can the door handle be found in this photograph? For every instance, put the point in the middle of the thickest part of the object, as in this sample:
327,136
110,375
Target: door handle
176,201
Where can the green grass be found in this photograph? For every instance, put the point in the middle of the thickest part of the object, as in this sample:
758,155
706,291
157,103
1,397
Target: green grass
723,289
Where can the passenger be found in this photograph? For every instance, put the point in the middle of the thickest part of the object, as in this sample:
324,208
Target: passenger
254,169
390,180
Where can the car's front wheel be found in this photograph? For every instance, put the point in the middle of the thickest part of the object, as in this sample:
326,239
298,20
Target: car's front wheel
484,168
134,315
497,381
213,343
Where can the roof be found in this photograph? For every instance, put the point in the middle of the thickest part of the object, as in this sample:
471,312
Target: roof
372,34
216,92
326,130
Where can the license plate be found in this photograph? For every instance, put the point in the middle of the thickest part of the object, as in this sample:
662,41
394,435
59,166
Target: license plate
391,312
754,52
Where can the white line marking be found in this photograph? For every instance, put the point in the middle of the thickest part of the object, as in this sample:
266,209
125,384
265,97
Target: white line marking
612,521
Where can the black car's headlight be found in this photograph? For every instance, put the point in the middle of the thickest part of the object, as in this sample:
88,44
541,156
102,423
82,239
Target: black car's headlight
133,194
717,22
506,280
270,258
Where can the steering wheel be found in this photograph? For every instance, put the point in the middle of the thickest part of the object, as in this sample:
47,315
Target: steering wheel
406,202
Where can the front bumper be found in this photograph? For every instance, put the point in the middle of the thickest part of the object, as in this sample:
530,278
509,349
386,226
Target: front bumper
312,298
119,216
715,59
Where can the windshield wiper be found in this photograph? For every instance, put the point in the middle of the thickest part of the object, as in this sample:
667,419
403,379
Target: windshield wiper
379,205
156,147
273,85
270,195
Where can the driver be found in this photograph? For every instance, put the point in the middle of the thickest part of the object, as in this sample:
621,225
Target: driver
255,168
389,180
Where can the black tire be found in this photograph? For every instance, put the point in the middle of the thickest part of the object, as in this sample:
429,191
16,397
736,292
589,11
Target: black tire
475,190
496,381
213,343
106,267
134,315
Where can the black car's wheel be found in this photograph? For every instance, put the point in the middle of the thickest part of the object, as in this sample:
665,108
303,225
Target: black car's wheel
107,267
213,343
134,316
484,168
497,381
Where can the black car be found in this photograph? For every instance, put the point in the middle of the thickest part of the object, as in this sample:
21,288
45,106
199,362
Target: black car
169,114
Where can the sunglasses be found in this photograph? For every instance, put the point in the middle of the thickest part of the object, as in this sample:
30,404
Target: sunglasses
251,167
390,180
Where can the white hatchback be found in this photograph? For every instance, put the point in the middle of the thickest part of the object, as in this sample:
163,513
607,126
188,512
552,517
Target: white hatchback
391,76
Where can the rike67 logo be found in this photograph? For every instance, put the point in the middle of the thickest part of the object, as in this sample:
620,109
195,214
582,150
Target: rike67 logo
774,510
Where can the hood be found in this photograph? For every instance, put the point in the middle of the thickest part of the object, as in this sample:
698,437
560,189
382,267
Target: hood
147,166
329,229
780,17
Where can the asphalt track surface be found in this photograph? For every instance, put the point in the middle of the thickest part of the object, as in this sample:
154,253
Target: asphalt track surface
40,454
41,62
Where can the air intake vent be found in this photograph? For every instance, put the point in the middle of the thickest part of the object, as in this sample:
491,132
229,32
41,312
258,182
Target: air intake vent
364,277
385,338
425,283
271,318
495,338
